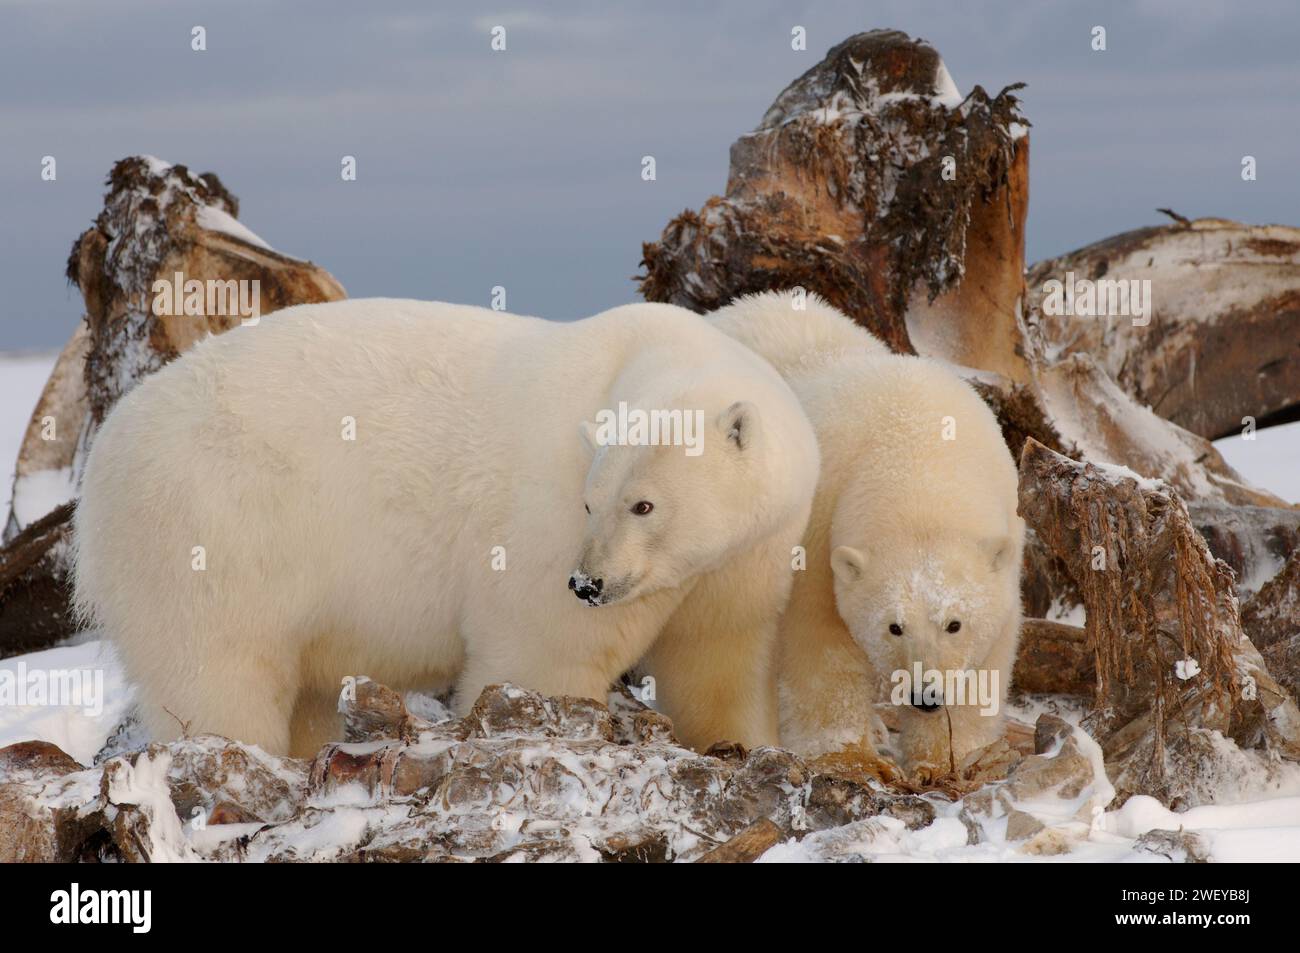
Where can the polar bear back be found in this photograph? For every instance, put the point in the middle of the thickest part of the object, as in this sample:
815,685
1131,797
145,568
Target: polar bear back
915,447
796,334
881,418
488,384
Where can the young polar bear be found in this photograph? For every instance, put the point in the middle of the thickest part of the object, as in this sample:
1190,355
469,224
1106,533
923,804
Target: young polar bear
402,489
914,545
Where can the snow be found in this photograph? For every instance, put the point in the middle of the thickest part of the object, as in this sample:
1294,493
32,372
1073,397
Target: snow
946,93
79,732
1270,461
36,494
144,784
1027,708
1141,814
22,378
1252,831
1259,831
1074,614
1119,471
218,220
879,839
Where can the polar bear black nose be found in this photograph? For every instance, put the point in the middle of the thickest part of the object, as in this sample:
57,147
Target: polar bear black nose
918,701
587,589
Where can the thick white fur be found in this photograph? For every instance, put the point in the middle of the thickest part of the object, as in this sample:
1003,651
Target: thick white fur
922,530
798,335
327,557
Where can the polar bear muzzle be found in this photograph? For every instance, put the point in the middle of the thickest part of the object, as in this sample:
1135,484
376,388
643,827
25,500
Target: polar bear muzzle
595,591
586,588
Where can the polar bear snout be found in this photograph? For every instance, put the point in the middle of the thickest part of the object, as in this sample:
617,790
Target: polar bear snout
586,588
606,573
594,590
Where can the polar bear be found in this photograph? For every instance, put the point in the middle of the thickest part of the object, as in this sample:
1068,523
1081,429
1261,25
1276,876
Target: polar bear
914,545
417,491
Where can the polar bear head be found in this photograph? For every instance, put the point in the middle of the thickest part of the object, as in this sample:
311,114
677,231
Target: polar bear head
945,602
660,513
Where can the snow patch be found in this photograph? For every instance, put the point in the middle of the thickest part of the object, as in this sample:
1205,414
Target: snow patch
22,379
1270,461
143,785
79,734
219,220
946,93
36,494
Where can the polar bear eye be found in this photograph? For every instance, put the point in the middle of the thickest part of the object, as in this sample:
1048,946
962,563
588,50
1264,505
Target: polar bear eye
587,508
895,629
954,626
643,508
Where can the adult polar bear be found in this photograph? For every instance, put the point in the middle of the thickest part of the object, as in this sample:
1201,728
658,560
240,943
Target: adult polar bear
245,555
914,545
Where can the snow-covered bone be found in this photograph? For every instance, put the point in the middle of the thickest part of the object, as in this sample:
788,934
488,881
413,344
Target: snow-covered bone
1225,317
839,190
1156,599
522,776
1272,620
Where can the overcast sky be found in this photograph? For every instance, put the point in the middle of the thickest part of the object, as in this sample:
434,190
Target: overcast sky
522,168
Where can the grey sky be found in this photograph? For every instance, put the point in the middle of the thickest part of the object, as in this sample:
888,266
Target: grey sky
522,168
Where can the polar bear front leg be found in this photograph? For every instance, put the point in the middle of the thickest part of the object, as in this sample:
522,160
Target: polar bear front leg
552,652
714,663
828,688
239,690
713,694
315,722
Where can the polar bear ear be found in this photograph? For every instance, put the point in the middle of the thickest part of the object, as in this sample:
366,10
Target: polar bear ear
848,564
587,431
996,550
739,424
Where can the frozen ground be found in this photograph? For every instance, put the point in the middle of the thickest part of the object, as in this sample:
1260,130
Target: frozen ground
1261,829
1265,829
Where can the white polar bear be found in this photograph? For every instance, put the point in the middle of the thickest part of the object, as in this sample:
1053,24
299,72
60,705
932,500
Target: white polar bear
400,489
914,545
